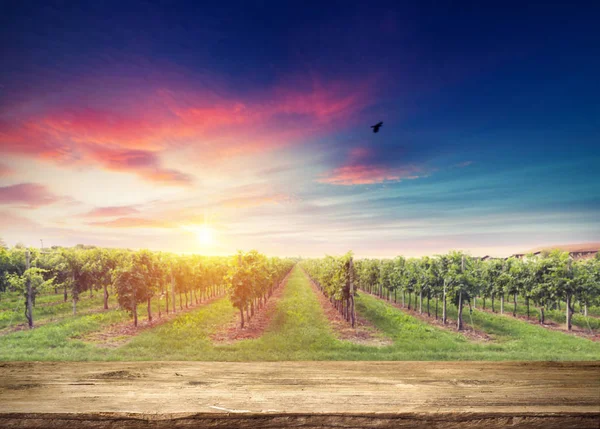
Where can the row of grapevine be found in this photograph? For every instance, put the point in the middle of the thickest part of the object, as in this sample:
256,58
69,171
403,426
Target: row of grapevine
137,277
253,278
334,276
542,281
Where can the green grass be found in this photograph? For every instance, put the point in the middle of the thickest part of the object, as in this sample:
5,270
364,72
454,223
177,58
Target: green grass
13,314
42,314
556,316
299,331
57,341
8,300
594,311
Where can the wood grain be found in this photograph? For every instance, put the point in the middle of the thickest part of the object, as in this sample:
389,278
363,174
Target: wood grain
299,394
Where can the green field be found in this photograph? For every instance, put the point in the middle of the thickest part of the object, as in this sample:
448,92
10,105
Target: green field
299,330
592,322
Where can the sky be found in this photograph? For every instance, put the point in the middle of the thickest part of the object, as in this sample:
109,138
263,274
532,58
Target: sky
209,127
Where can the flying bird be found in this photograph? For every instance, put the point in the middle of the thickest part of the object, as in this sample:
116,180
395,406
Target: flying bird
376,127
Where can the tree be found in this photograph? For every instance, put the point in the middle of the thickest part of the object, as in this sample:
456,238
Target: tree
240,280
410,280
423,275
541,290
99,264
385,279
437,282
506,282
399,264
371,276
335,278
491,271
131,279
445,273
523,278
588,275
5,268
459,281
30,283
519,282
79,278
161,272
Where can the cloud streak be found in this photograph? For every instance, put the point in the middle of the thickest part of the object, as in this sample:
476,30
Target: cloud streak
114,131
143,163
6,171
100,212
133,222
363,168
28,195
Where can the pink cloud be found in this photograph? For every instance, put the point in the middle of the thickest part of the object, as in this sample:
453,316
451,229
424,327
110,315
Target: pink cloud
361,169
29,195
5,170
129,130
11,220
143,163
369,174
99,212
132,222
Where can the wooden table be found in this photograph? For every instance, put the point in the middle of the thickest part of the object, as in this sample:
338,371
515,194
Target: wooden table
299,394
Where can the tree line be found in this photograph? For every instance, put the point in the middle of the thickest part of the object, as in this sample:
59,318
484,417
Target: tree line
543,282
253,278
334,276
138,277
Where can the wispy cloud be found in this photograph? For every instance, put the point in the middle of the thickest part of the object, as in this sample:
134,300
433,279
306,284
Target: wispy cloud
100,212
115,131
254,201
5,170
133,222
28,195
15,221
143,163
463,164
363,168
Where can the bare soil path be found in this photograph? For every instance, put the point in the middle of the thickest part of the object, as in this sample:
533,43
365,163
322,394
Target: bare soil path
121,333
300,394
254,327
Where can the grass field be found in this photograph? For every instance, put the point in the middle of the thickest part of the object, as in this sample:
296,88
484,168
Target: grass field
592,322
299,330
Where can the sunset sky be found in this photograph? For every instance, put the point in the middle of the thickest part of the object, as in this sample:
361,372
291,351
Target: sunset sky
193,128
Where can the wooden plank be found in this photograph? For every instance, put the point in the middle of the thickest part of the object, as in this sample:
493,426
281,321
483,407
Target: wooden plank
300,394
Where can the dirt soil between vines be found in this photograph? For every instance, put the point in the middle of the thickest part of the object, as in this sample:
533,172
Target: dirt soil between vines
256,326
299,394
119,334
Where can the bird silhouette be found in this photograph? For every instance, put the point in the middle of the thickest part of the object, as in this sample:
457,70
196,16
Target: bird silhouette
376,127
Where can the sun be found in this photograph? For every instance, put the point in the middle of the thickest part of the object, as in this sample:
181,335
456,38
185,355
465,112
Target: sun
205,234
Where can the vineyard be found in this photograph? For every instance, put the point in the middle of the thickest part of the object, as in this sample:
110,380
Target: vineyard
551,282
110,304
138,278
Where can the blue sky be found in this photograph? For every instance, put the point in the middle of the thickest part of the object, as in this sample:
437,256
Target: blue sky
159,124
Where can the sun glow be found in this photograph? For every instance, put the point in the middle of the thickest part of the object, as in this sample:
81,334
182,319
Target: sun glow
205,234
